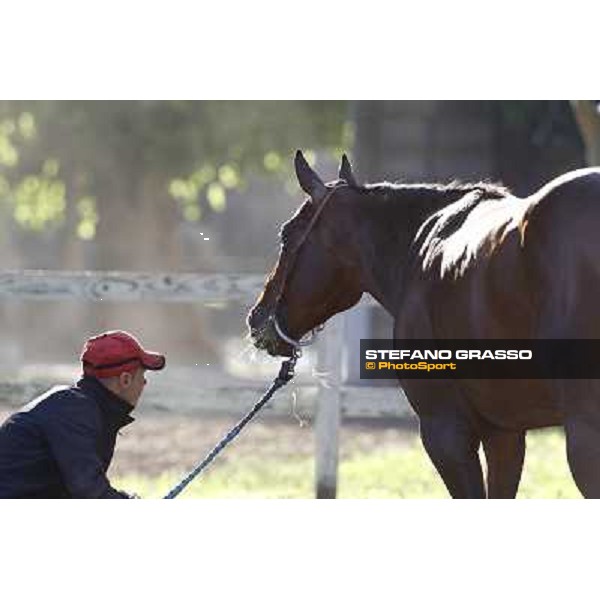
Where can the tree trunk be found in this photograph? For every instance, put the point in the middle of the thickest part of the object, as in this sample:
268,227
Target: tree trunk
588,121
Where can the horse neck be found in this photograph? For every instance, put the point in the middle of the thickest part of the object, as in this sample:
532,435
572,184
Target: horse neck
390,219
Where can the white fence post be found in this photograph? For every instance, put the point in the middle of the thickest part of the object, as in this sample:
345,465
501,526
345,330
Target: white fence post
329,363
357,326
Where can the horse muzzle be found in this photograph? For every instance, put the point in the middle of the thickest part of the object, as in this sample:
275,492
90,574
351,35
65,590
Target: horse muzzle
266,338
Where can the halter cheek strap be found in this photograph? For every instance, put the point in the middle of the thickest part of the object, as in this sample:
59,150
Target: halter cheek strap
297,344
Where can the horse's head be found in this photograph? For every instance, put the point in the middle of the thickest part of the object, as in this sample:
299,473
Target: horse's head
316,274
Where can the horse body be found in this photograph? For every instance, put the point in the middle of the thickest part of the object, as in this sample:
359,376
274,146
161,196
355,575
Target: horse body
461,262
521,269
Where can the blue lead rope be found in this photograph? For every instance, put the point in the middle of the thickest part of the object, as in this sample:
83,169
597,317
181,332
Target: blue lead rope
285,375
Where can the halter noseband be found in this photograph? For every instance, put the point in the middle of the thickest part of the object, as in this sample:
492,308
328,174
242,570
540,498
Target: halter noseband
299,344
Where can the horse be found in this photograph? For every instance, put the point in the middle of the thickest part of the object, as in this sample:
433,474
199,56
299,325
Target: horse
454,261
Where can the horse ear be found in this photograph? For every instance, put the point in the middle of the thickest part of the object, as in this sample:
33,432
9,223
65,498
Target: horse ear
345,172
309,181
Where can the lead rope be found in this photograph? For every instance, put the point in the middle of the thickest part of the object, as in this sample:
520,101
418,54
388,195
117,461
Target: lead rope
286,373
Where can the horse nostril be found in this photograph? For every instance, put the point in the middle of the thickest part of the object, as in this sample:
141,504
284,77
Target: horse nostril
257,315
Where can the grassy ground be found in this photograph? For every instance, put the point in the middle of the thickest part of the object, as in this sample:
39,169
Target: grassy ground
403,472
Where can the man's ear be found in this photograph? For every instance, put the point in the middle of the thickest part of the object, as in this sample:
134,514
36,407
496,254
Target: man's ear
125,378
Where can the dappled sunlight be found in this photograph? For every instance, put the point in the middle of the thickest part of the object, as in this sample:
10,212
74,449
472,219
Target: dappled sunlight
88,218
39,201
216,196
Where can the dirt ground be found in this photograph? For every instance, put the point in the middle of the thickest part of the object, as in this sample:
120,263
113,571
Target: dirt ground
157,441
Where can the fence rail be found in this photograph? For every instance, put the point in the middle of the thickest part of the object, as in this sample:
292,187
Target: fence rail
96,286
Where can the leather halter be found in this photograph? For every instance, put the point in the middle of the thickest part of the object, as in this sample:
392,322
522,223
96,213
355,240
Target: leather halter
297,344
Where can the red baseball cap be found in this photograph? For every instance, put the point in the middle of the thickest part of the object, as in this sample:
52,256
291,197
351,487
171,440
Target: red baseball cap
114,352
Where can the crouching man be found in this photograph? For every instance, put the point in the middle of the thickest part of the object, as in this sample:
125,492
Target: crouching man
60,445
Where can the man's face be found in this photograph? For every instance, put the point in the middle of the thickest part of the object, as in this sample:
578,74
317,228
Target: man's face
132,385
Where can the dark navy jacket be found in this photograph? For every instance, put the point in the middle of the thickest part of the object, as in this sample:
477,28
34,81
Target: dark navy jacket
60,444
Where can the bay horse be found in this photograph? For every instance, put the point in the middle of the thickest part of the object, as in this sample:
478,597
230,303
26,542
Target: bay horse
456,261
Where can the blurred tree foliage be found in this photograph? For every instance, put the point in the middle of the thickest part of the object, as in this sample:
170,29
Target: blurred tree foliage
79,165
62,163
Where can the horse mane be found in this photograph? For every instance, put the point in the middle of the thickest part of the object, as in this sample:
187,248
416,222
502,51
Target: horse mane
442,209
458,200
490,189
